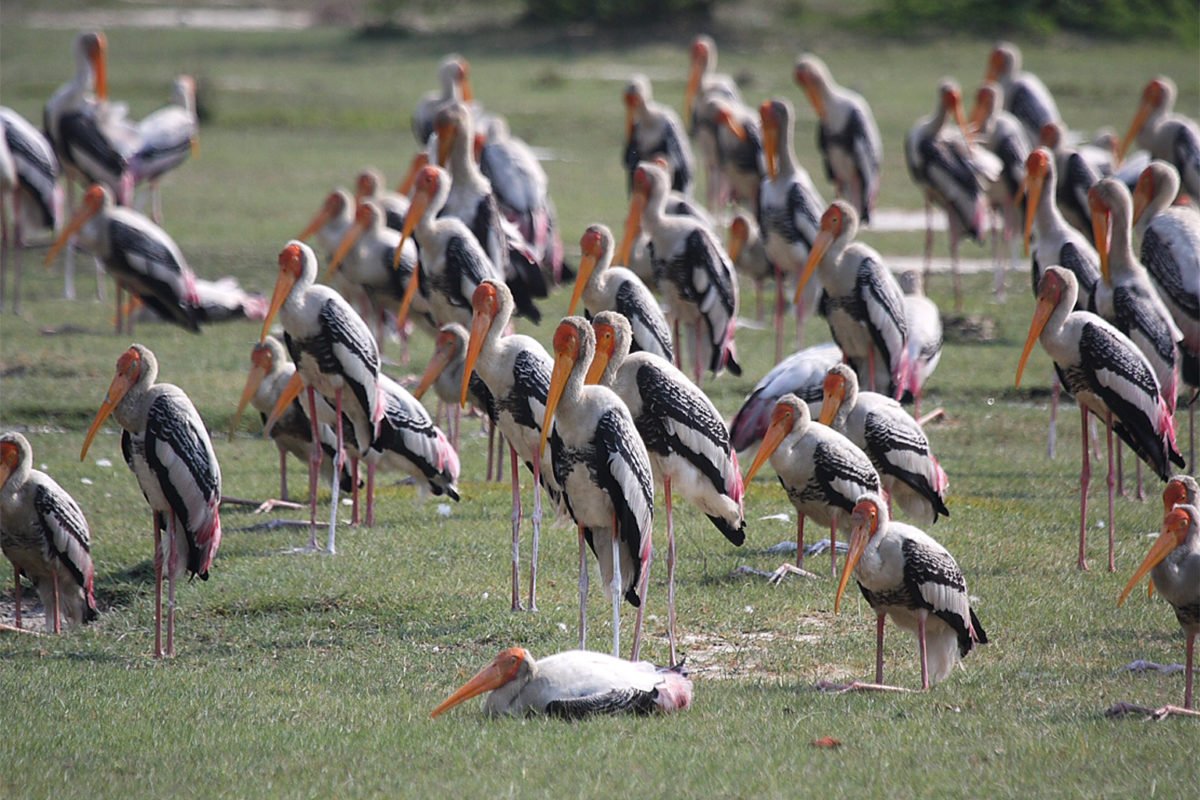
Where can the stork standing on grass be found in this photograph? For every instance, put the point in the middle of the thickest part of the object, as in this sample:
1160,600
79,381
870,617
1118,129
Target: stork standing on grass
1168,136
30,197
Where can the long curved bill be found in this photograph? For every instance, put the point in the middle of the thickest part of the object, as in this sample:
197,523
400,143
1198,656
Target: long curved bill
1143,193
1041,315
1162,547
1035,184
736,242
119,387
819,248
253,381
961,119
1100,235
774,437
410,291
633,227
78,221
587,265
283,287
599,363
816,98
1135,127
858,543
291,391
99,60
563,364
349,239
318,221
445,141
437,365
420,204
735,126
831,400
629,113
770,133
480,323
419,162
489,678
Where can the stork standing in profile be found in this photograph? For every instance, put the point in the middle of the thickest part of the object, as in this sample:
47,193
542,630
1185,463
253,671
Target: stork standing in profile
336,356
1109,377
705,83
45,536
924,336
684,434
604,470
30,198
653,130
573,685
1025,96
168,136
903,573
454,84
1168,136
847,135
168,449
1001,133
445,372
821,470
1076,176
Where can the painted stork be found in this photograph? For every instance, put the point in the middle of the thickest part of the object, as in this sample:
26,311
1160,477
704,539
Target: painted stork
270,373
640,257
516,370
29,178
604,287
604,471
167,447
1166,135
1109,377
652,130
472,200
905,574
1170,252
895,442
452,263
573,685
847,135
1076,176
369,185
802,374
863,303
747,250
1057,243
696,277
523,193
1025,96
454,81
1174,565
1002,134
951,175
336,356
684,434
924,335
789,209
821,470
141,257
168,136
739,148
704,83
45,536
332,220
445,374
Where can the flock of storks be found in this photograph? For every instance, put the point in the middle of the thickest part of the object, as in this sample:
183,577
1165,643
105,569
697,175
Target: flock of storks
470,239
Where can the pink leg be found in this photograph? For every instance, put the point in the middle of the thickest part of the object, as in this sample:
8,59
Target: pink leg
1085,475
17,593
1188,671
1055,391
537,534
583,589
19,255
922,646
879,620
1112,564
353,490
801,316
314,469
57,614
491,449
958,296
339,463
516,531
172,564
670,571
799,540
117,320
1120,469
158,579
4,246
928,239
833,548
370,493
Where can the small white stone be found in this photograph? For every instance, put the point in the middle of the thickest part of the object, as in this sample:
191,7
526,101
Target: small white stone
562,626
486,595
443,509
749,609
346,501
776,518
86,481
104,462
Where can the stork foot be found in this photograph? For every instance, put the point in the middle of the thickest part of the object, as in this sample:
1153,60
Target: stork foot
829,687
789,569
267,506
1156,714
1141,665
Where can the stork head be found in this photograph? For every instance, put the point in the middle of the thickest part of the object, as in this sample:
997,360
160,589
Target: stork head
95,200
1004,60
489,302
839,386
703,60
504,669
135,367
869,517
263,358
1038,168
447,346
1177,524
595,247
1159,94
14,450
790,415
574,344
1057,287
838,223
813,77
613,336
336,204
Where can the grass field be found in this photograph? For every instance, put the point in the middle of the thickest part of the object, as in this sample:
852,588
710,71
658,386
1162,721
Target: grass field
314,676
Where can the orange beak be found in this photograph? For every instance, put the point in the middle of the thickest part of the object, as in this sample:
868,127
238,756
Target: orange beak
778,430
832,399
1174,531
481,323
420,204
564,362
737,240
349,239
442,356
820,246
858,543
1143,193
491,677
1139,120
1100,226
253,381
291,391
770,131
735,127
85,213
99,59
446,135
323,215
419,162
587,265
117,390
599,363
1041,315
633,226
283,287
1035,181
814,97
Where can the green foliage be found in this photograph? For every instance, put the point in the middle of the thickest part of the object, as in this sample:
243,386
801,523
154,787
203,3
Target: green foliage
1176,19
616,10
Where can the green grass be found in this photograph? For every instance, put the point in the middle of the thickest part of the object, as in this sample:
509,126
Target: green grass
314,676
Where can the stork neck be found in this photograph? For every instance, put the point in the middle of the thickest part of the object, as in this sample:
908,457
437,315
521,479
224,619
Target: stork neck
134,407
1121,256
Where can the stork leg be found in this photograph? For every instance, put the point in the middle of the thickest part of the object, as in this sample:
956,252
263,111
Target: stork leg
370,493
283,489
17,594
158,579
172,522
18,254
1085,476
57,616
833,548
339,463
491,447
1120,470
1112,564
921,645
353,490
670,571
879,621
780,304
615,586
928,239
1189,671
537,533
516,531
1052,435
583,589
119,314
314,470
